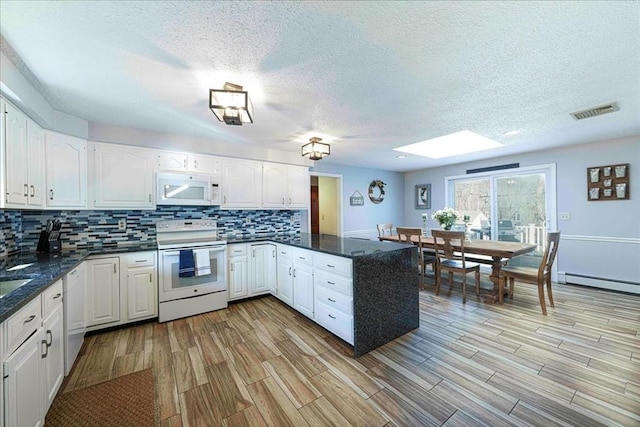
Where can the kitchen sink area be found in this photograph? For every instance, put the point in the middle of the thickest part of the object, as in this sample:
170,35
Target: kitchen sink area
7,286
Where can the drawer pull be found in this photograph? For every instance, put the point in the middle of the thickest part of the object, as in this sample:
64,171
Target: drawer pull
58,295
331,283
331,266
33,316
141,260
332,300
301,257
333,317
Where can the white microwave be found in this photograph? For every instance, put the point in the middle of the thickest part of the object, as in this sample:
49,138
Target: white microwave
187,189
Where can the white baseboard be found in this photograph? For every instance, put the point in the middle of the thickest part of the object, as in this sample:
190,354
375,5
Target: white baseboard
599,282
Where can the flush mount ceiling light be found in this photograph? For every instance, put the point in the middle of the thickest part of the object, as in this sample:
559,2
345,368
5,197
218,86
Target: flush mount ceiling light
231,104
315,149
450,145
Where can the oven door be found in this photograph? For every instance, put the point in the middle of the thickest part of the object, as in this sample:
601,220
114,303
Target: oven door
172,286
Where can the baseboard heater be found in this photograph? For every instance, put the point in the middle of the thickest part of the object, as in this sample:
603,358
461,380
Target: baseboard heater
599,282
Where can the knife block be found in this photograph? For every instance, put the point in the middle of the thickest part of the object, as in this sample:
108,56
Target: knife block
47,245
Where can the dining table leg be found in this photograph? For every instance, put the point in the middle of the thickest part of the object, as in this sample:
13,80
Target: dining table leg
496,265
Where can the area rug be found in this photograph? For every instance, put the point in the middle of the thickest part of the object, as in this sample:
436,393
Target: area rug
125,401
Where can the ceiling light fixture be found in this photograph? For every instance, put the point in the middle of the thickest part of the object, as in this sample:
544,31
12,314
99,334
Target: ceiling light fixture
231,104
315,149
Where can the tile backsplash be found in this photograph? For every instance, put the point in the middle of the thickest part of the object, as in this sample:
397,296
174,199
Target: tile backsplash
21,229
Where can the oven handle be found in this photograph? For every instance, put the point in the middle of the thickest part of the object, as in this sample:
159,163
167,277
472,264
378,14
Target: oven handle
174,253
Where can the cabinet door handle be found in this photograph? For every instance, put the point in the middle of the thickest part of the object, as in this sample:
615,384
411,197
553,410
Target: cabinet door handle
224,199
49,340
149,197
51,194
58,295
33,316
150,278
195,164
185,163
294,272
231,267
333,317
283,200
114,269
26,190
332,300
289,271
46,349
289,200
33,191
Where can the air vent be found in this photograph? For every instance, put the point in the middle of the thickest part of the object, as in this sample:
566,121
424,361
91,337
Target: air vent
597,111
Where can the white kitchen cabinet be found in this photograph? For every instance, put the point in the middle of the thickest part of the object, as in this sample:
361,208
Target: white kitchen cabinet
53,370
238,270
141,285
23,383
103,291
187,162
284,273
122,177
33,369
333,294
303,281
298,187
263,269
241,184
285,186
66,171
24,161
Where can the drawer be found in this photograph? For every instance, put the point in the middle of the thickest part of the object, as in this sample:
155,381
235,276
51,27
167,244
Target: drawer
22,324
335,321
302,256
334,282
334,264
51,298
237,249
141,259
333,299
285,252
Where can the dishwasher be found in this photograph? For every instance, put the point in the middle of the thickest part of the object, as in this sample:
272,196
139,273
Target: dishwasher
74,284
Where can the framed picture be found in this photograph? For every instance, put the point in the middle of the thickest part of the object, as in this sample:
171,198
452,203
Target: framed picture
423,196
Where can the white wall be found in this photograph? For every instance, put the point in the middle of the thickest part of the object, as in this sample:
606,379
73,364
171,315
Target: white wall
602,239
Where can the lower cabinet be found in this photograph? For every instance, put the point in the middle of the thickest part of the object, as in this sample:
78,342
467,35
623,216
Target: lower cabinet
284,274
303,281
33,370
121,289
252,269
103,291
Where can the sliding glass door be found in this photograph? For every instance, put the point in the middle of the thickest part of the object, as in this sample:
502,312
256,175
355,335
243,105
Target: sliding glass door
515,205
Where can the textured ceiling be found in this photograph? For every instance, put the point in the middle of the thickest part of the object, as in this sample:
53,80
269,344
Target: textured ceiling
374,75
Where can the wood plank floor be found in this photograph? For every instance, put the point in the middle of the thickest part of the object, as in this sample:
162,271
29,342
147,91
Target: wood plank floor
261,363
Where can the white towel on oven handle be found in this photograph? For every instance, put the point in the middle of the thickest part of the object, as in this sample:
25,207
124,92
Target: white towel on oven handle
202,262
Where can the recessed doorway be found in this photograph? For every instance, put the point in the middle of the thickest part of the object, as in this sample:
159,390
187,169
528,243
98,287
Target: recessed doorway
325,214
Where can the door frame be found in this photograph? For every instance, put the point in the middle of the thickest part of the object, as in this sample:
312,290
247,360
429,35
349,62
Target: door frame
306,214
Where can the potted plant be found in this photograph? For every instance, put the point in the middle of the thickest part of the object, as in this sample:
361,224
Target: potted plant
446,217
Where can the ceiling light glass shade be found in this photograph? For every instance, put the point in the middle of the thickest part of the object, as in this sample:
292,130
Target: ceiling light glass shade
231,104
315,149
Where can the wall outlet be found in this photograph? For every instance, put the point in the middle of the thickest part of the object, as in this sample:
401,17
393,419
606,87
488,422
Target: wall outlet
564,216
295,217
247,220
122,224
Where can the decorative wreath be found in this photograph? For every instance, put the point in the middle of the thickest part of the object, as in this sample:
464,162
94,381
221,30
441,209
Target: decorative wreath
380,186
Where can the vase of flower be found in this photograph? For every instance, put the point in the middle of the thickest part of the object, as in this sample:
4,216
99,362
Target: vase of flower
446,217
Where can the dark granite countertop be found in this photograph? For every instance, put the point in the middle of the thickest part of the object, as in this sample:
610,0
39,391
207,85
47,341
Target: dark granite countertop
45,269
333,245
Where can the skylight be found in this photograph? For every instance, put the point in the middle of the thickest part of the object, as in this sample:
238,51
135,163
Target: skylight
463,142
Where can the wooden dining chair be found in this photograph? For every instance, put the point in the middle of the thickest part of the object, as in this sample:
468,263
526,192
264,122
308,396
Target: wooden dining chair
405,235
535,276
384,230
453,260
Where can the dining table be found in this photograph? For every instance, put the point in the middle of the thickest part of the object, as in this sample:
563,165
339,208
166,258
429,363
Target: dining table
492,252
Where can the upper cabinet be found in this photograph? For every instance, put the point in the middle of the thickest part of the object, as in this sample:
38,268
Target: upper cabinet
122,177
184,162
24,161
285,186
66,171
241,184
